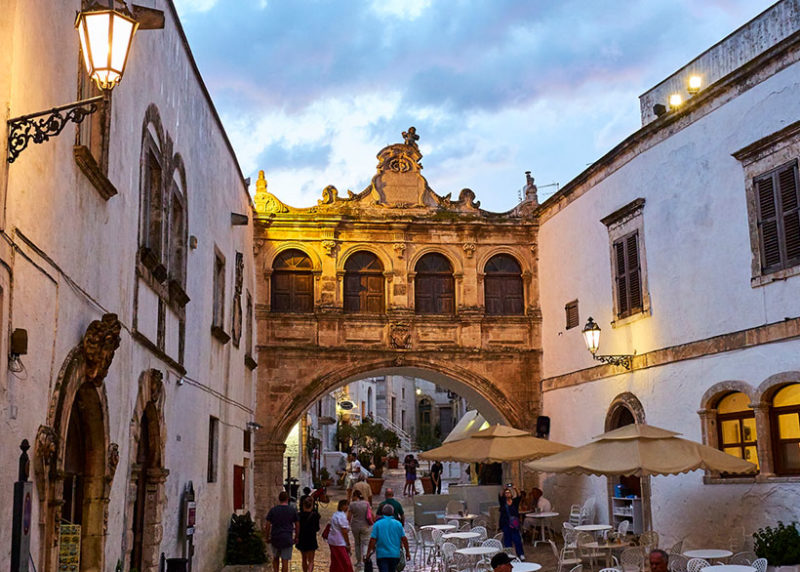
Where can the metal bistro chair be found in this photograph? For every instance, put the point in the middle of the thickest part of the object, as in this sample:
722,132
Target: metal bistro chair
648,540
413,540
632,559
677,563
466,527
676,548
565,557
696,564
447,561
743,558
760,564
481,530
426,544
586,553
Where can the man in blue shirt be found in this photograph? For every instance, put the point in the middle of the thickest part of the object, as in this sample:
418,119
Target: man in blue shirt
387,540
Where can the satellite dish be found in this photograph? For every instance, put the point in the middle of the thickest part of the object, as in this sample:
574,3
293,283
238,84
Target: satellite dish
346,405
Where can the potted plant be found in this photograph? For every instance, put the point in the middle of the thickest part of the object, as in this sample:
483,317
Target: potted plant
427,483
246,549
780,546
375,443
325,477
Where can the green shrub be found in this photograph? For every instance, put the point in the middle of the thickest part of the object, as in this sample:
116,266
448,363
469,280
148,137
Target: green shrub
779,545
245,544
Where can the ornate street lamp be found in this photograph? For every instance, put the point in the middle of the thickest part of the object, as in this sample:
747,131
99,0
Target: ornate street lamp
591,335
106,34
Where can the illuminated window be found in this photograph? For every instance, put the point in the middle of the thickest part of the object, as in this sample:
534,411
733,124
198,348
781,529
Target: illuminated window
363,284
292,282
785,419
737,427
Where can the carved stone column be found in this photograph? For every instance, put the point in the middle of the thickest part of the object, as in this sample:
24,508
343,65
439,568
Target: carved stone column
268,465
709,431
766,459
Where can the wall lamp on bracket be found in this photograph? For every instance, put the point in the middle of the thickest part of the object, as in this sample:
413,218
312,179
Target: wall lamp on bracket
106,31
253,426
591,335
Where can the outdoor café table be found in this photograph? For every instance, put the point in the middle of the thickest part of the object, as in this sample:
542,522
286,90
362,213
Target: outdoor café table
525,566
461,517
542,516
465,536
477,551
708,553
730,568
439,526
593,528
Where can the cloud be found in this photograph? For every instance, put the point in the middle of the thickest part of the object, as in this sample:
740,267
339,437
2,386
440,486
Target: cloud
311,90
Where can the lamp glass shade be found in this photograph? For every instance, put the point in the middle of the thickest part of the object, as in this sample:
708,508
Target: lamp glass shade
675,100
105,37
695,83
591,335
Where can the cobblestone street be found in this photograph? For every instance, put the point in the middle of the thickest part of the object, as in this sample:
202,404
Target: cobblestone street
395,480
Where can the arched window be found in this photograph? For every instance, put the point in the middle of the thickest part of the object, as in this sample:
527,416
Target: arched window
434,286
785,420
503,292
292,282
736,424
363,284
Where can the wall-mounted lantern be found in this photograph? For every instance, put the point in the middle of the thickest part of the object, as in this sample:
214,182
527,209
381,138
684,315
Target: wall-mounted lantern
106,31
591,335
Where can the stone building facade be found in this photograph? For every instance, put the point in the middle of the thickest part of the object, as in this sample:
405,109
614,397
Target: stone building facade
688,256
393,280
119,259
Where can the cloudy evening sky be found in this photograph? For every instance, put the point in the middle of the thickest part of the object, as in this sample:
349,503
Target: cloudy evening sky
311,90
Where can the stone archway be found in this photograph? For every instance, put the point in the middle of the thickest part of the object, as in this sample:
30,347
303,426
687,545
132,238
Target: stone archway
74,460
146,484
495,359
626,409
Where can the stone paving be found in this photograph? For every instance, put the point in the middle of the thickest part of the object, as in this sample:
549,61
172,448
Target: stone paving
541,554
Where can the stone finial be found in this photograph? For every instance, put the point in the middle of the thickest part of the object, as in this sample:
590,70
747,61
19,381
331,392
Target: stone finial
264,201
531,192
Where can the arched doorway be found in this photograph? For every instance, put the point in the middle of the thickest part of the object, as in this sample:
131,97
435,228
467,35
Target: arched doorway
626,409
74,460
148,476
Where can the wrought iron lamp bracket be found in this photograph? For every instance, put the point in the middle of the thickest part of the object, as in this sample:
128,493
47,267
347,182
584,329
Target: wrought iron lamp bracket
40,127
625,361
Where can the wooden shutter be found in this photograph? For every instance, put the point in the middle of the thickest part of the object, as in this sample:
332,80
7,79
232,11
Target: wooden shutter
238,487
628,275
572,317
503,290
768,224
791,214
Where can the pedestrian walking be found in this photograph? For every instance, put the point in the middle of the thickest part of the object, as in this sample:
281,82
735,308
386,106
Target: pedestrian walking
307,538
339,539
282,527
360,517
387,541
397,508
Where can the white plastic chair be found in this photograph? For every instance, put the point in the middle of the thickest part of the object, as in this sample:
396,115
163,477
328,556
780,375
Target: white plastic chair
481,530
448,549
743,558
427,544
760,564
696,564
586,553
565,557
453,506
623,527
413,540
648,540
632,559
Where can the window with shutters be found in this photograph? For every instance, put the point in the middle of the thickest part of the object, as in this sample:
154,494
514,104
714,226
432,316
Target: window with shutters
434,285
627,275
363,284
773,204
628,269
502,286
572,317
292,283
778,212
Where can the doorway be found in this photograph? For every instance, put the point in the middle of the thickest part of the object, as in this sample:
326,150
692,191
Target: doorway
628,497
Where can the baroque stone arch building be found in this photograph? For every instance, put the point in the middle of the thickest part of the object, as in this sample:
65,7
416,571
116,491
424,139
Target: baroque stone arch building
393,279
